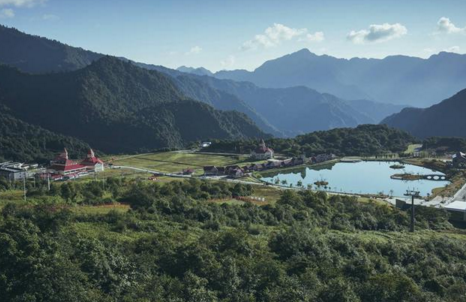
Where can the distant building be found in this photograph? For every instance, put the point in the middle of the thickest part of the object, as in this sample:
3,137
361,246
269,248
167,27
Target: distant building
91,162
63,165
13,171
210,171
262,152
459,160
188,171
12,174
322,158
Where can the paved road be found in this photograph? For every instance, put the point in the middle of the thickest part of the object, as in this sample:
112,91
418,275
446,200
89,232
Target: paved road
460,195
151,171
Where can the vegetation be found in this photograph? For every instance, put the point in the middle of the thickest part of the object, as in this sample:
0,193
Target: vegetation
444,144
174,246
174,161
40,55
20,141
364,140
117,107
444,119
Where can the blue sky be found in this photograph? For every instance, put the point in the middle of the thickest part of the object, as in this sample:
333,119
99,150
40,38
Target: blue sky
224,34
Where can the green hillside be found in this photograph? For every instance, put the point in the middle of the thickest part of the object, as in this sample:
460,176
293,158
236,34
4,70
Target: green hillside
117,107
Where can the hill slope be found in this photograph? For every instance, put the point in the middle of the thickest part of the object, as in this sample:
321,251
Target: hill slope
444,119
117,107
293,110
20,141
280,112
40,55
396,79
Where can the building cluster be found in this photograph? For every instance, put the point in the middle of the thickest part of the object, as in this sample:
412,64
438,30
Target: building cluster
237,171
13,171
459,160
62,167
262,152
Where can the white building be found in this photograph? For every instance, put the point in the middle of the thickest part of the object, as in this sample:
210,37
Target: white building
262,152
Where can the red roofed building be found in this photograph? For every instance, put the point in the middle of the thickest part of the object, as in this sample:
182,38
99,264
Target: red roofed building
92,162
63,165
262,152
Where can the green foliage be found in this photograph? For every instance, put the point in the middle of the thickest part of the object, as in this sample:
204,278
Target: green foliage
360,141
175,246
20,141
116,106
444,144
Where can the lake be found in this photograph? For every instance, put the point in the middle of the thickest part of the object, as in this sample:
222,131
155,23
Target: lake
362,177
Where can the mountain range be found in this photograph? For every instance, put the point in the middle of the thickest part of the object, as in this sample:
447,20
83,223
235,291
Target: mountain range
401,80
116,106
119,105
280,112
447,119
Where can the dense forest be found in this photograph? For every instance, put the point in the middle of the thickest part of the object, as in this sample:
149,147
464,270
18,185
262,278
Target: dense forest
36,54
443,119
445,144
362,140
116,107
174,245
20,141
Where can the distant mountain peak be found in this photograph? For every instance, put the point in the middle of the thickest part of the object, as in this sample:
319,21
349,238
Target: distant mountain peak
198,71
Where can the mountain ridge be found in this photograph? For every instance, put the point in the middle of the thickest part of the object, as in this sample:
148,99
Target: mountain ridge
117,107
443,119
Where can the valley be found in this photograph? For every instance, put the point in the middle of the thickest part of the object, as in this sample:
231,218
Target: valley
232,151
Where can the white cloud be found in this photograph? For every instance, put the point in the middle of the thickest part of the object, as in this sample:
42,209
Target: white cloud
455,49
194,50
315,37
21,3
377,33
7,13
229,62
278,33
48,17
444,25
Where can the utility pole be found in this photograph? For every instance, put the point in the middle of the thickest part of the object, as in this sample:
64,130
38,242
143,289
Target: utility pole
24,185
413,194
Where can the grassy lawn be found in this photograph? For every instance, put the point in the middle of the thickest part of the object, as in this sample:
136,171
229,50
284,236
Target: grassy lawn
177,161
103,209
412,147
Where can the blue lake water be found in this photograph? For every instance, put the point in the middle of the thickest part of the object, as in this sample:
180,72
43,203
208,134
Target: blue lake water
361,177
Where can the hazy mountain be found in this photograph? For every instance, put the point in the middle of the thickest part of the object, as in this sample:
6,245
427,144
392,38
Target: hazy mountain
375,110
197,71
40,55
444,119
292,110
395,79
117,107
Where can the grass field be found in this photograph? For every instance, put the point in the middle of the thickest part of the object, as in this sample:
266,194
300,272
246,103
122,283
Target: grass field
174,161
412,147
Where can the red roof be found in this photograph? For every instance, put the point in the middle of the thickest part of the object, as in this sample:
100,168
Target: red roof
91,161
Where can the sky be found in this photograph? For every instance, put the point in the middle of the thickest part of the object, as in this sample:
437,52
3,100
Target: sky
243,34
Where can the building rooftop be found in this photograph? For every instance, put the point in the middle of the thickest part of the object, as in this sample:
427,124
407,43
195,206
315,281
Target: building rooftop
457,206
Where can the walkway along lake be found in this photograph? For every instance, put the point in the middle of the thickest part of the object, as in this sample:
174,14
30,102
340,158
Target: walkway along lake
370,177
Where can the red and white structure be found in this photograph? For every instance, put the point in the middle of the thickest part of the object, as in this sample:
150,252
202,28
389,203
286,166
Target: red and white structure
91,162
62,165
262,152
